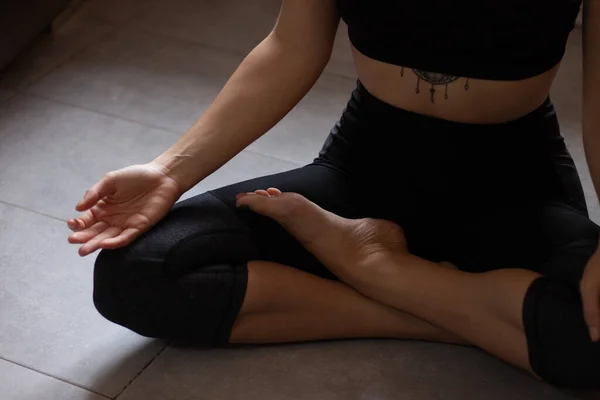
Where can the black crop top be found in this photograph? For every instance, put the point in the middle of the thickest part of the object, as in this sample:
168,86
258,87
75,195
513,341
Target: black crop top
485,39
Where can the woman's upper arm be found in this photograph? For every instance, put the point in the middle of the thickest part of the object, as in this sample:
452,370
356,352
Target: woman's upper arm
307,25
591,65
591,40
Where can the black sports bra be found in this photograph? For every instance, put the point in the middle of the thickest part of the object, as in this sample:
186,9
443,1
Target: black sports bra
484,39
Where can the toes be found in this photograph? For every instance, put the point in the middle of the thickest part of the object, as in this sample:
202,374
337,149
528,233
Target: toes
268,193
274,204
261,192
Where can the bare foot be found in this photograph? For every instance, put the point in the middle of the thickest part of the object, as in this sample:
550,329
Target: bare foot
343,245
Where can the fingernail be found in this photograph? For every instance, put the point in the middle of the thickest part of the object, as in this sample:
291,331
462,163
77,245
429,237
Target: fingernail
594,334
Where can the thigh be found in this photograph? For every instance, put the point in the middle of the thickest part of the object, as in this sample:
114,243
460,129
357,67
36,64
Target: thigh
208,229
319,182
555,239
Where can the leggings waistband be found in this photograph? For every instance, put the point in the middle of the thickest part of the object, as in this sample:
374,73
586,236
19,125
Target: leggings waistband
382,112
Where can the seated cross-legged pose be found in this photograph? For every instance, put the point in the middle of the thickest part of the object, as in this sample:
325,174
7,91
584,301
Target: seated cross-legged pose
444,205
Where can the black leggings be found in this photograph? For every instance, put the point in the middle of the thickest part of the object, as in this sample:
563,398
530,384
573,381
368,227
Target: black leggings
483,197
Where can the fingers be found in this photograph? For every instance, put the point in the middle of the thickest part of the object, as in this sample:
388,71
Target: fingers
104,188
94,244
86,235
84,221
74,224
591,308
101,236
123,239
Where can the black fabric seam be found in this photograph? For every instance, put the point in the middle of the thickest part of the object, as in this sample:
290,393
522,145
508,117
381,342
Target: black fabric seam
221,200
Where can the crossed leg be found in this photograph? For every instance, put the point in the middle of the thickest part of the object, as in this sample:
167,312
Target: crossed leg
484,309
284,304
188,277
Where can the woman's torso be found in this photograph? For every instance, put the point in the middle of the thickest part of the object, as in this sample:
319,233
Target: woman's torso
472,61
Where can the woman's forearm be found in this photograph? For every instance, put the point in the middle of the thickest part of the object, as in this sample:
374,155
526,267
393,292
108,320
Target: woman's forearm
267,85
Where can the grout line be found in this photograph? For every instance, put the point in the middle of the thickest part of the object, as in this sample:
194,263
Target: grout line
142,370
32,211
204,45
100,112
67,14
54,377
35,95
23,88
215,48
134,15
115,31
93,18
222,49
11,94
277,158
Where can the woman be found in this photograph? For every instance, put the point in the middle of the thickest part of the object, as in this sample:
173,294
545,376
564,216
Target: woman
444,205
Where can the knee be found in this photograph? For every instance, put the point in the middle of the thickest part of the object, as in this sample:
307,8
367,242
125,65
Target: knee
108,293
560,348
174,280
199,306
121,290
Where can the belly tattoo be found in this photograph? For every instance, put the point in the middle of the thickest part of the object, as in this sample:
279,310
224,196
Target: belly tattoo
435,79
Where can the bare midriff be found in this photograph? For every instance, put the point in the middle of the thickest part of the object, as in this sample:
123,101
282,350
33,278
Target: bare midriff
452,98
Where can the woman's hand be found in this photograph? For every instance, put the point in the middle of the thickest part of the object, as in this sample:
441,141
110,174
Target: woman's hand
122,206
590,292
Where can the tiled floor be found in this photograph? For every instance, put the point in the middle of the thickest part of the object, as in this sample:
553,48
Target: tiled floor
116,85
